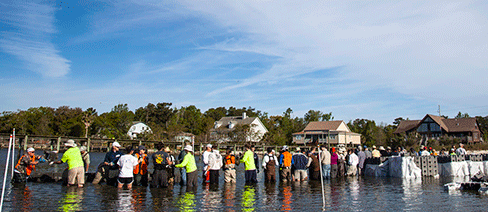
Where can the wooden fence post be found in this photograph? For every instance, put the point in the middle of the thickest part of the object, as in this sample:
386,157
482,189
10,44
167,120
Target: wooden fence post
59,143
88,145
25,142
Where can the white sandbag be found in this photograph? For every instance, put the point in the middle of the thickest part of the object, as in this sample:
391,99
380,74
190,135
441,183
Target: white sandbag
474,167
454,169
404,167
485,167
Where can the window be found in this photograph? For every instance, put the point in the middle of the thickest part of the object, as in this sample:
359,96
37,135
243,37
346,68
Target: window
423,127
332,137
434,127
298,137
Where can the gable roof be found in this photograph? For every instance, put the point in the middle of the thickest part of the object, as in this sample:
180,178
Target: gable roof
224,121
407,125
448,125
461,125
323,125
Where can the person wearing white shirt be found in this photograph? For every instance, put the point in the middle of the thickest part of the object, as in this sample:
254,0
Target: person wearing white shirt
126,164
270,162
353,163
461,150
205,157
214,165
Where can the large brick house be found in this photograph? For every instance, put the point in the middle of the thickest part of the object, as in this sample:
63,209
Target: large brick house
433,127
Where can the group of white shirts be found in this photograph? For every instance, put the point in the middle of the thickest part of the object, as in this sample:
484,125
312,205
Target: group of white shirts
212,159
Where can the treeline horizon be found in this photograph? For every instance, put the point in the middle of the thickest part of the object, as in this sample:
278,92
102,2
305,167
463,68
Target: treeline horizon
166,122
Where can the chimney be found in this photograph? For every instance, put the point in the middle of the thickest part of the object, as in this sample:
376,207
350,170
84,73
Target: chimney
244,116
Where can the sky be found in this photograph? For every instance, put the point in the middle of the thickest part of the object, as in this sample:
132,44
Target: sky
376,60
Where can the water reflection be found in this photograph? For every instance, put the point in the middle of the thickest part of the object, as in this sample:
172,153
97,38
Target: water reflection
211,197
139,198
124,200
229,196
72,199
162,198
186,201
22,197
287,195
248,198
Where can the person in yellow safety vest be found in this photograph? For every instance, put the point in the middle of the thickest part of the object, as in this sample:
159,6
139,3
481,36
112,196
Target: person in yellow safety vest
285,162
26,165
140,171
248,160
191,167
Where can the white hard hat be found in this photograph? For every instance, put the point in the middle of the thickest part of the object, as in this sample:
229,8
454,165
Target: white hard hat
209,145
30,149
116,144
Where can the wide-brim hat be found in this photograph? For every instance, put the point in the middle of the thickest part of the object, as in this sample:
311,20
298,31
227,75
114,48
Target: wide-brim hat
70,143
188,148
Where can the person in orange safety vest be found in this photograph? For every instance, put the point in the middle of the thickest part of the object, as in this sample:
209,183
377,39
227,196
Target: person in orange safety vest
140,171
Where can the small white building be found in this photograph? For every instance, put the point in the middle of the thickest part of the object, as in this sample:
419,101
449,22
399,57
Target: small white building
138,128
185,137
222,127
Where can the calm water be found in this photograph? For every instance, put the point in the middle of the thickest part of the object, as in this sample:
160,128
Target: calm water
365,194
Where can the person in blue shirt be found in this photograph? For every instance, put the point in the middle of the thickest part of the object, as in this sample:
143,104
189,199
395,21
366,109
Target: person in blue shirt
109,163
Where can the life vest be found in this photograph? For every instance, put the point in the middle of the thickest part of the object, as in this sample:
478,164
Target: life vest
28,168
286,159
230,159
141,168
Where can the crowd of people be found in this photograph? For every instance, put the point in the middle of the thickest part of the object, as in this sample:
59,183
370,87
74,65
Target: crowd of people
131,167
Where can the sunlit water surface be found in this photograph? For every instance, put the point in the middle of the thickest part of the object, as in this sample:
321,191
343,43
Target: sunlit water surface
350,194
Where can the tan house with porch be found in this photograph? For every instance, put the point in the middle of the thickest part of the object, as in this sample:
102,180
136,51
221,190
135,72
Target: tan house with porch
326,132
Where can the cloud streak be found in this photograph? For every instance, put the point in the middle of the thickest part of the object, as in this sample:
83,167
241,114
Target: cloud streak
31,28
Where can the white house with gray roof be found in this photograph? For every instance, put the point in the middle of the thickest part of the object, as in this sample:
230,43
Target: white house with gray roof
223,128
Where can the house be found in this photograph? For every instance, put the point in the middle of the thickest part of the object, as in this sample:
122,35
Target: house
433,127
238,128
138,128
185,137
326,132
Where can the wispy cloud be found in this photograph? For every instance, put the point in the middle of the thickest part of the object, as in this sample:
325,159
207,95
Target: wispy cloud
30,28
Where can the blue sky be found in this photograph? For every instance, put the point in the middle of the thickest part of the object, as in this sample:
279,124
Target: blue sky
357,59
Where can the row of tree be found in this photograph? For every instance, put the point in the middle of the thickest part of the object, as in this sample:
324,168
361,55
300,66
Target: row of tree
167,121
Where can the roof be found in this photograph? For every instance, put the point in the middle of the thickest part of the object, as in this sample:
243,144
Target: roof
407,125
224,121
461,125
448,125
322,125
